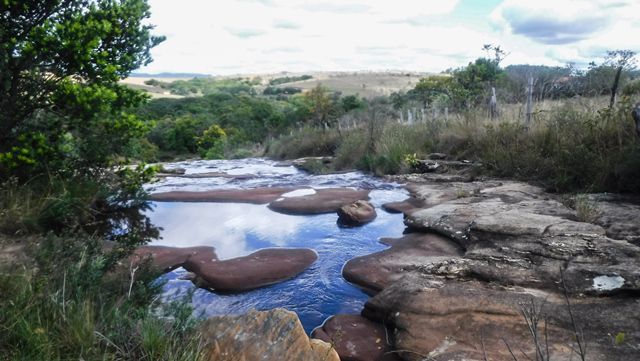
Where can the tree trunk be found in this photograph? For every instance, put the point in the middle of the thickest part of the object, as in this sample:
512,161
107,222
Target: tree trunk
614,88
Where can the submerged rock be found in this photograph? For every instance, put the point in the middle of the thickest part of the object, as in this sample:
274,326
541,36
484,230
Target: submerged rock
262,335
356,214
356,338
326,200
261,268
253,196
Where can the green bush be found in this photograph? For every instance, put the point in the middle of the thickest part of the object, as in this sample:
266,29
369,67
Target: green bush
71,306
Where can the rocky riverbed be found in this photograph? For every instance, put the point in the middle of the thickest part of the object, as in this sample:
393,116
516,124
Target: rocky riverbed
485,269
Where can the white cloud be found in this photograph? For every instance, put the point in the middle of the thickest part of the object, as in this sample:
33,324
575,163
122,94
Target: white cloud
255,36
569,30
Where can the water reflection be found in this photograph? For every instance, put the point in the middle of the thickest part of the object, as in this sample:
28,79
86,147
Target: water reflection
239,229
233,229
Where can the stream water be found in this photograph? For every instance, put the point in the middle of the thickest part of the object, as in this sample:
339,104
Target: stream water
236,229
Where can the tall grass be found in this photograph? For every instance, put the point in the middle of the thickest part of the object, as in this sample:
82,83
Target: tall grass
70,306
571,146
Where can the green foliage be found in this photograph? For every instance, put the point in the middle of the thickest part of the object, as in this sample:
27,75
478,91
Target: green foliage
270,90
211,142
60,104
209,86
289,79
71,307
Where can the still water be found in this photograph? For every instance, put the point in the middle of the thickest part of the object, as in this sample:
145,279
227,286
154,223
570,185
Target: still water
236,229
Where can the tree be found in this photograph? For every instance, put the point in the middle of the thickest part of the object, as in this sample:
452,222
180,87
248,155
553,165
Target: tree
430,87
60,61
321,105
620,59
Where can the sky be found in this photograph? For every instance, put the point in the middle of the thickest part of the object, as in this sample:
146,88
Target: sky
223,37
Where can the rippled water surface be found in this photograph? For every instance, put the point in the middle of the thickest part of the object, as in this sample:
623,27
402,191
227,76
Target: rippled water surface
239,229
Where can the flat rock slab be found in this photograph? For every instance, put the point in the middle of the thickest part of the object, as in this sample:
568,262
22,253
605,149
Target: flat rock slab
376,271
261,268
262,335
253,196
326,200
437,320
357,213
165,259
356,338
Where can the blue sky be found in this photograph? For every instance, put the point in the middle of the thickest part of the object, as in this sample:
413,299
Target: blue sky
261,36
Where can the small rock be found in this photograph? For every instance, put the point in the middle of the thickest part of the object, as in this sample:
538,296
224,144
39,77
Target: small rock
356,214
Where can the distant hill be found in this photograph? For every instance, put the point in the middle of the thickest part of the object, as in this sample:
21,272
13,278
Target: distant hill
169,75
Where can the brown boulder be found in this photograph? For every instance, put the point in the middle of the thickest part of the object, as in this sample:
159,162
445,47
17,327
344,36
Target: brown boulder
262,335
355,338
261,268
356,214
326,200
411,252
253,196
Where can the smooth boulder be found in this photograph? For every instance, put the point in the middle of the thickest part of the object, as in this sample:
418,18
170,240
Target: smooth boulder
262,335
356,338
325,200
357,213
261,268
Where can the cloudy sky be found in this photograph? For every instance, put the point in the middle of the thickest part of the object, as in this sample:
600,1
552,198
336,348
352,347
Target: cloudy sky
258,36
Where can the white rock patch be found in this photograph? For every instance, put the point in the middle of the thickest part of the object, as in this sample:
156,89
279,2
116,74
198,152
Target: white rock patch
607,283
299,193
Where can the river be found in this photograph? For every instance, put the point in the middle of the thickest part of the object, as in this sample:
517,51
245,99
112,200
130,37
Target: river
236,229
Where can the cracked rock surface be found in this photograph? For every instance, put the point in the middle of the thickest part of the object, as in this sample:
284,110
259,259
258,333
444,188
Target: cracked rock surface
487,260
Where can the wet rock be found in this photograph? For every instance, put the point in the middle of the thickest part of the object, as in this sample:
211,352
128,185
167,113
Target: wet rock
376,271
262,335
326,200
253,196
355,338
438,320
165,259
261,268
356,214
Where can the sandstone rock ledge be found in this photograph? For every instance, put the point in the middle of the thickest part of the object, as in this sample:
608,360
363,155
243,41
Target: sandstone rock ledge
490,256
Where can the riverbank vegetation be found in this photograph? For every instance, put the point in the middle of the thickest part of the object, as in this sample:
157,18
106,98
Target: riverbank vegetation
70,214
576,137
